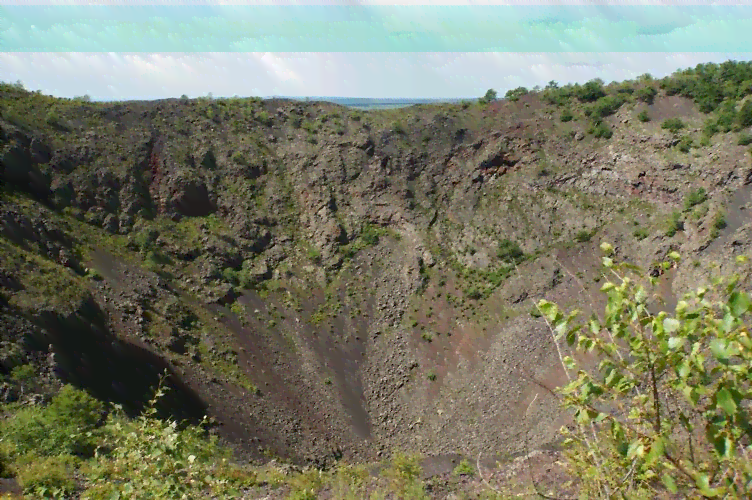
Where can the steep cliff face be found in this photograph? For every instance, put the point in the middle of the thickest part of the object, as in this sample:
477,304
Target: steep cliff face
332,283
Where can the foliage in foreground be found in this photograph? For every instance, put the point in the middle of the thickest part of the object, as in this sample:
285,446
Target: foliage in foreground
666,409
67,448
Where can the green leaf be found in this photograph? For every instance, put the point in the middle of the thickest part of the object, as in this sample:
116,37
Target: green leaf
681,306
636,449
608,262
571,337
549,309
656,451
676,342
739,303
703,483
607,286
670,483
607,248
674,256
670,325
720,349
726,401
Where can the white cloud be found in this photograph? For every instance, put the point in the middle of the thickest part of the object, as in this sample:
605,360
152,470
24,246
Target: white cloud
159,75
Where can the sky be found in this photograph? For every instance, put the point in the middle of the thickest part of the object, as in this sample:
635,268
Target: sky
118,50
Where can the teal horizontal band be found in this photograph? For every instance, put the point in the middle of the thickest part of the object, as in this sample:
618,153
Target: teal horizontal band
375,28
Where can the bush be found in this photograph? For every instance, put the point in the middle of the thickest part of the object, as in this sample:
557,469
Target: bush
667,405
490,96
591,91
464,468
685,144
694,198
600,130
583,236
515,94
745,139
370,235
159,459
47,477
744,118
710,128
646,94
510,251
606,106
675,224
641,233
673,125
65,426
727,118
643,116
567,116
719,223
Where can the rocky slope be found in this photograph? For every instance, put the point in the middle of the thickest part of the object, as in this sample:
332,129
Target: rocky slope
329,283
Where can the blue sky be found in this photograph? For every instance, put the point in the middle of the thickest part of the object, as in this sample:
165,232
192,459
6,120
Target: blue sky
371,48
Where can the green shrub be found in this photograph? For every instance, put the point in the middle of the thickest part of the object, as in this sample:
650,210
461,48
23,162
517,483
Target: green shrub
591,91
65,426
567,116
641,233
695,197
23,373
745,89
600,130
646,94
745,139
744,118
490,96
47,477
515,94
685,144
510,251
675,224
464,468
719,223
727,117
710,127
667,404
643,116
370,235
159,459
583,236
605,106
673,125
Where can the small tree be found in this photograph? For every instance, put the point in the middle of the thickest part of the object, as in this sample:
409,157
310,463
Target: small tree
490,96
666,408
515,94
